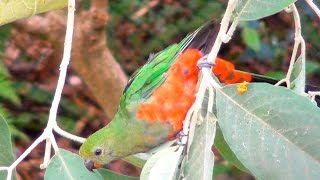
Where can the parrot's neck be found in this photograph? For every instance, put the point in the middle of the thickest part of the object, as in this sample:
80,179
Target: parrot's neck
130,136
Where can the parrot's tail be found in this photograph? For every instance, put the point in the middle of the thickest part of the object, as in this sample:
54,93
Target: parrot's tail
227,74
204,39
260,78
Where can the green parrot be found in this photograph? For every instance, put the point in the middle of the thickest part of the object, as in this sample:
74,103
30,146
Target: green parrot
128,133
157,97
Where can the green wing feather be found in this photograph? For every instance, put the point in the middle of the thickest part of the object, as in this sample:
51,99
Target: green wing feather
152,75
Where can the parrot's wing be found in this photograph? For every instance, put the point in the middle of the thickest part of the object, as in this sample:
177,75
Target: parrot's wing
152,75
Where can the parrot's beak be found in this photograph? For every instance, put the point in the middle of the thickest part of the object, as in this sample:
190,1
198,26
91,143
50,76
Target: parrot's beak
89,165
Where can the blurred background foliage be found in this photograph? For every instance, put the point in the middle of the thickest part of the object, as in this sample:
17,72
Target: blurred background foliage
262,47
136,29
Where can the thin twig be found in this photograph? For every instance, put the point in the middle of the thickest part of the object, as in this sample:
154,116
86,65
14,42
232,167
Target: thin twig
223,35
315,93
46,154
206,81
191,121
23,155
313,7
312,95
52,121
207,74
298,41
65,134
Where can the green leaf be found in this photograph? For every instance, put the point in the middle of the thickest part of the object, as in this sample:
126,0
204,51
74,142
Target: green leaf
18,134
298,76
256,9
273,131
226,152
35,93
3,68
4,35
107,174
65,165
199,162
11,10
67,123
6,155
251,37
312,67
7,91
162,165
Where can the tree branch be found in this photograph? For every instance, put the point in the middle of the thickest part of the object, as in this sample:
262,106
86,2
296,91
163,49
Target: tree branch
92,59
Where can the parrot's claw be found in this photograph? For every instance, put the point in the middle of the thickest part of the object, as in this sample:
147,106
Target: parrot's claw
180,137
204,63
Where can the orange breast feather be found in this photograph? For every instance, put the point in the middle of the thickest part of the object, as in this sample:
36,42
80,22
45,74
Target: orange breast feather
170,102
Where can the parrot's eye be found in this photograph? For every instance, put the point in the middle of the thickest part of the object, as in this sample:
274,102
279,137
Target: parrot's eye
98,152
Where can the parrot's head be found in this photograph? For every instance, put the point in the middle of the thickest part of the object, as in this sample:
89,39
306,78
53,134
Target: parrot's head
97,149
120,138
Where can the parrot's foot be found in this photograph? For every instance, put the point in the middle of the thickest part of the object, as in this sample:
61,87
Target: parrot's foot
204,63
180,136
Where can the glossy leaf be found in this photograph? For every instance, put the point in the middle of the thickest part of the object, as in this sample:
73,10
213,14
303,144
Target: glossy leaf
251,37
162,165
256,9
11,10
107,174
273,131
6,155
226,152
65,165
298,76
140,159
199,161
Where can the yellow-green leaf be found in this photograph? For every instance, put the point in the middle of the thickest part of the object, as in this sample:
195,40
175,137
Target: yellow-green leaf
11,10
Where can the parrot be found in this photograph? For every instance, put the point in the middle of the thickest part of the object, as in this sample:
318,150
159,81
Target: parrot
157,98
